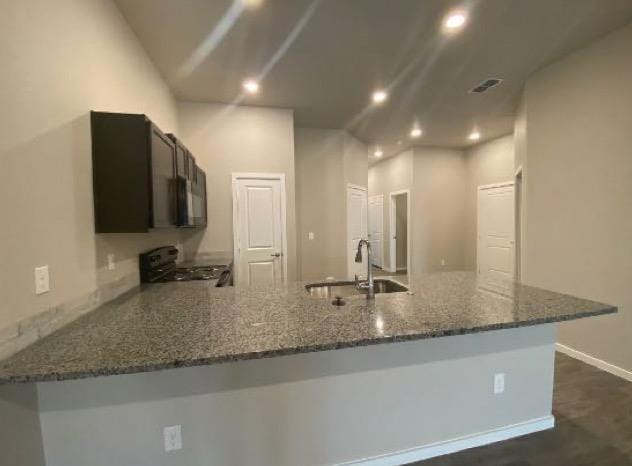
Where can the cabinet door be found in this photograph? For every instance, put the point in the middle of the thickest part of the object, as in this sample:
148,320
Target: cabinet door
163,186
181,161
190,167
199,198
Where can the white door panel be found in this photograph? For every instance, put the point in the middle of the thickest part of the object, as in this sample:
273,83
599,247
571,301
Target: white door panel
356,229
376,228
496,234
259,231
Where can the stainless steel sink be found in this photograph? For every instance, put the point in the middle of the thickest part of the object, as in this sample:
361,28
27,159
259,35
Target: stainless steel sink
344,289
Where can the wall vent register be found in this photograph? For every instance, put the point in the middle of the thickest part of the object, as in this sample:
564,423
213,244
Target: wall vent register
486,85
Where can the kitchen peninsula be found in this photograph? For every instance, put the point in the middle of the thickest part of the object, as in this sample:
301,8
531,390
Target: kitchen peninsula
434,394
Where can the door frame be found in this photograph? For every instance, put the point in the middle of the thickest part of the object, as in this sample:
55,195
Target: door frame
238,176
392,242
478,229
381,252
366,191
519,213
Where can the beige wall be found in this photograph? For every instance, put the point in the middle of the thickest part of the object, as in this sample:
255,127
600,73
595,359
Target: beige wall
579,189
385,177
291,410
59,62
486,163
438,210
444,186
326,161
320,201
229,139
356,161
20,430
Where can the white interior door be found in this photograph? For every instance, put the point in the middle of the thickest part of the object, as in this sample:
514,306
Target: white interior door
376,228
259,228
496,233
356,228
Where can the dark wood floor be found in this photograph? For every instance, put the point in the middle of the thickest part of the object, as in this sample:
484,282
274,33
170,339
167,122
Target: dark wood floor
593,426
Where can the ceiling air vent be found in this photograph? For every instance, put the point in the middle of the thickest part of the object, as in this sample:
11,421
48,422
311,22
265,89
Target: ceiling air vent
485,85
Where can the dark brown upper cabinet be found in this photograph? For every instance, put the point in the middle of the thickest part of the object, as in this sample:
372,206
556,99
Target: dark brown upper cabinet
199,198
134,171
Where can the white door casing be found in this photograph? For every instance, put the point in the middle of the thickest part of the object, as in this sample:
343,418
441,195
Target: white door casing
357,228
376,228
260,252
496,233
392,227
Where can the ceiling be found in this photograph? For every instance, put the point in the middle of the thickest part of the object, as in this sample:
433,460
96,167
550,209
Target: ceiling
324,58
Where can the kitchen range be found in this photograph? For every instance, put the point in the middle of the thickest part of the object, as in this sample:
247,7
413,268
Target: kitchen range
160,265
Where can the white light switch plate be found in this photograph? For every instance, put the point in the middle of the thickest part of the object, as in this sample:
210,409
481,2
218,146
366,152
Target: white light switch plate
499,383
42,279
173,438
310,235
111,262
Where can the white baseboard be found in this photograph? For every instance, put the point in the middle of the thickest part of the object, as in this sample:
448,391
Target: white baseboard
431,450
593,361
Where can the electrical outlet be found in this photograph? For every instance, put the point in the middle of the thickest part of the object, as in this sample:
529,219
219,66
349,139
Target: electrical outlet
499,383
173,438
310,235
442,262
42,279
111,262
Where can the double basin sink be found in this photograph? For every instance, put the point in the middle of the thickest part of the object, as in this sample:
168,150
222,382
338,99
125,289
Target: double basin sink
347,289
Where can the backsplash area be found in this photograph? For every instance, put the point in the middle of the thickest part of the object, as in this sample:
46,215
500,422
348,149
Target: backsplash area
21,334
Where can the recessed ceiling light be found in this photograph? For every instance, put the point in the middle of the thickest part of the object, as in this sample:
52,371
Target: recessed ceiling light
251,86
474,136
378,152
415,132
455,20
379,96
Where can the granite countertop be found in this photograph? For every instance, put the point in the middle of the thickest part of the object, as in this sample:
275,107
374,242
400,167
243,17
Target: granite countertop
173,324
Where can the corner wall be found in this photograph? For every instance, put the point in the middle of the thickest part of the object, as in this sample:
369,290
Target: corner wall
228,139
578,224
326,161
438,210
486,163
393,174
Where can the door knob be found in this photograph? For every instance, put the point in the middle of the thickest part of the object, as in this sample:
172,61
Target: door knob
276,254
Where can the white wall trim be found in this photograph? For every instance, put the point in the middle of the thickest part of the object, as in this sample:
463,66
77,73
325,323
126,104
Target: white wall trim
595,362
460,443
392,246
357,186
236,241
496,185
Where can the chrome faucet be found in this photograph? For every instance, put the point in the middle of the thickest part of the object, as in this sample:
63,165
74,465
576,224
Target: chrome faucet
368,285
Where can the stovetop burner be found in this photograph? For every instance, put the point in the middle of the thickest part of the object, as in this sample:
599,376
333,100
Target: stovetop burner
159,265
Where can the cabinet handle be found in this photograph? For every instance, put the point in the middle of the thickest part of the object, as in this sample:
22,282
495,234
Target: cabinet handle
276,254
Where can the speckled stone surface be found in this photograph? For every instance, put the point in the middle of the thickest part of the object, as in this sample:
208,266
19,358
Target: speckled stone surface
191,323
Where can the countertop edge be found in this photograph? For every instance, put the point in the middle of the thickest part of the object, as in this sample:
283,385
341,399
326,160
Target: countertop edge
145,368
